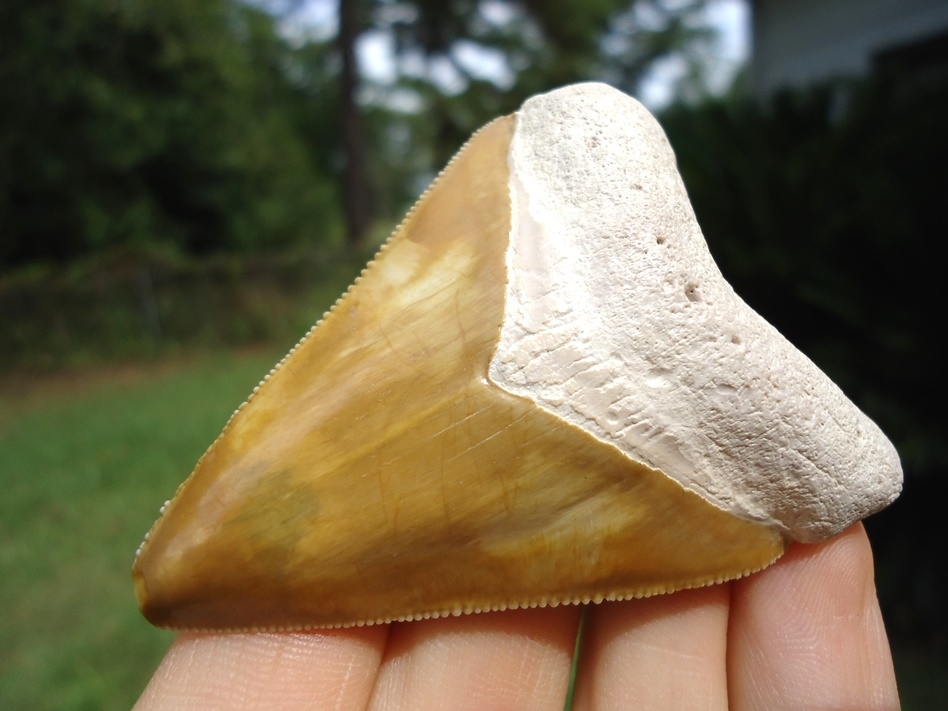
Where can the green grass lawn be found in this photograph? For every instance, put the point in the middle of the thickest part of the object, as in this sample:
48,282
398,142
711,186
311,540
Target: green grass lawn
85,463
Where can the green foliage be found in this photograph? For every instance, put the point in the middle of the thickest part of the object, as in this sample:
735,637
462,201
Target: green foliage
198,127
145,303
154,122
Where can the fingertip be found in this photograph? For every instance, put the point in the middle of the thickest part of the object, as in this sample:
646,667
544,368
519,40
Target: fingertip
663,652
302,670
514,659
808,632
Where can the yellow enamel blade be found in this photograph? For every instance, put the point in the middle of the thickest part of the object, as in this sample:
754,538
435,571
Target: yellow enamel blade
378,474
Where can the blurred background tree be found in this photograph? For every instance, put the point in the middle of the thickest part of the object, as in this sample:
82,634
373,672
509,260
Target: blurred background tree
467,61
144,122
147,122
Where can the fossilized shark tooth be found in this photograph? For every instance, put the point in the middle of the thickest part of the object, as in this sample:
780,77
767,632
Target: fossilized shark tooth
541,391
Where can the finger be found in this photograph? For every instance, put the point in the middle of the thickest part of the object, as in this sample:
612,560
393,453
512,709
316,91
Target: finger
518,659
664,652
323,669
807,633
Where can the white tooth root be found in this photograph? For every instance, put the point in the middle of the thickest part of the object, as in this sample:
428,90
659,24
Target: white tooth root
618,320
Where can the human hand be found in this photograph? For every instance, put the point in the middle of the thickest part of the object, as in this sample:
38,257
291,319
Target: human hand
805,633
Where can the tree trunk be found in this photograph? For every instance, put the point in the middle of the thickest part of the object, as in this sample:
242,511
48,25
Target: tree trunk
355,183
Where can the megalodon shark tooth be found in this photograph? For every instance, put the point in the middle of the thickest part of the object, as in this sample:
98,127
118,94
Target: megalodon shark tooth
541,391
